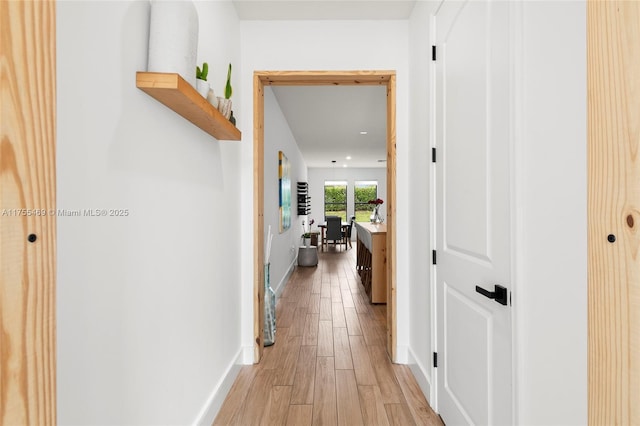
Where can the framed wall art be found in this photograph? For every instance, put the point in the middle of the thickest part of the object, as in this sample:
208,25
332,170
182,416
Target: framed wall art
284,191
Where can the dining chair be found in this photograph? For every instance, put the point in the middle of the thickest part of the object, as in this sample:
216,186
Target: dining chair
346,234
334,230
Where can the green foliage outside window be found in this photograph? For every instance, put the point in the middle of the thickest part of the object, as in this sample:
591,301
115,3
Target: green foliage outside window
335,201
363,192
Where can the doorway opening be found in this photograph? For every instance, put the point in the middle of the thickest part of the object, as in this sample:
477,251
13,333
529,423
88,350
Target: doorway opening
320,78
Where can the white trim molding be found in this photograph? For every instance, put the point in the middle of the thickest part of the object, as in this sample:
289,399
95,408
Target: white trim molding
210,410
402,354
420,373
283,282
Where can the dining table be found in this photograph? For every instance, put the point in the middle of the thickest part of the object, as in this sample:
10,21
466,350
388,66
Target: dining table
344,226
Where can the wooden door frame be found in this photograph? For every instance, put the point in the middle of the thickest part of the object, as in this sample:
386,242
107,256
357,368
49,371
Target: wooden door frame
28,222
320,78
613,55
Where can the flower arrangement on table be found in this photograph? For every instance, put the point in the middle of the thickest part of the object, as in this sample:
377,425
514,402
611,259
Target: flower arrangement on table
375,216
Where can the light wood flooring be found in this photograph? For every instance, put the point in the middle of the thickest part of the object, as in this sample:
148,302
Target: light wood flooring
329,365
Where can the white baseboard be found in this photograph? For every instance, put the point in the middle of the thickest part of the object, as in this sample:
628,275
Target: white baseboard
248,355
283,282
402,355
211,408
420,373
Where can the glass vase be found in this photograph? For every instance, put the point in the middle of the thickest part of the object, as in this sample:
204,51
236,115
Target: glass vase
269,310
375,216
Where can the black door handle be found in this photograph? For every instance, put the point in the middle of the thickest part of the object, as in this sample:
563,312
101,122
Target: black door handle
500,294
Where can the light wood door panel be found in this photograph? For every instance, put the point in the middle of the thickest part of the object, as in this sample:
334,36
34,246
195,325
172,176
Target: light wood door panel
613,61
27,213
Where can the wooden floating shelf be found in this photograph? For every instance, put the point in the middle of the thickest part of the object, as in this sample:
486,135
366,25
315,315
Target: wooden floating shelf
174,92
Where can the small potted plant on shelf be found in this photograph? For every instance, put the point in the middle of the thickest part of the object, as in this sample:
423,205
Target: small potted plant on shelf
224,104
201,80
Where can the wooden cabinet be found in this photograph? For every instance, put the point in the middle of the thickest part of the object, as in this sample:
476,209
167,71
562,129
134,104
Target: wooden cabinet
371,262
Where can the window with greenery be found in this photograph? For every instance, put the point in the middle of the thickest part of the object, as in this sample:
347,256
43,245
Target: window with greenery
364,191
335,199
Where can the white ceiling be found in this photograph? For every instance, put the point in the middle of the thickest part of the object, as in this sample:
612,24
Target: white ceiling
323,9
326,122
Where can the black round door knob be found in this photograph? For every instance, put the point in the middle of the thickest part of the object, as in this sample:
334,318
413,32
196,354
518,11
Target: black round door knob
32,238
611,238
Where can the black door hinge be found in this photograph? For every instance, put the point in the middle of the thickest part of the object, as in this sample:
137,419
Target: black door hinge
435,359
433,53
433,257
433,155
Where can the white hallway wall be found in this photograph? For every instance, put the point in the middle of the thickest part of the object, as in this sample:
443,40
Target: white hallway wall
550,298
278,137
325,45
148,305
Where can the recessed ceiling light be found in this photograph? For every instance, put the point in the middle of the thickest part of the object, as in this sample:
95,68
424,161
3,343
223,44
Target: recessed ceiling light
344,165
363,132
348,157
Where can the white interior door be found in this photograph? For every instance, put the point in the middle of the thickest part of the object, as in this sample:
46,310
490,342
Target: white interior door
474,378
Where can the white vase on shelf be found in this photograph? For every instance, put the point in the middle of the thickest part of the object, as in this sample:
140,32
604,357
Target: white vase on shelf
211,97
203,87
173,38
224,106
